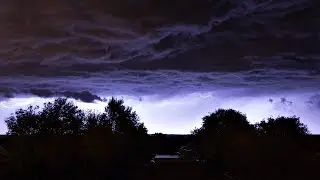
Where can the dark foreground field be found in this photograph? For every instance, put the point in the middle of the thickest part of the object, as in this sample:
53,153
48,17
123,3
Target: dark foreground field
83,158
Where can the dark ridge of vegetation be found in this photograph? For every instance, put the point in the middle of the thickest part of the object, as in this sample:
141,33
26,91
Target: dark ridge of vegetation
61,141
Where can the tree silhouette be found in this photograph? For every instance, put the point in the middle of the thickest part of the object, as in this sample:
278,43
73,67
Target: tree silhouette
24,122
58,118
283,145
95,122
282,126
62,117
224,120
223,124
114,140
123,119
223,140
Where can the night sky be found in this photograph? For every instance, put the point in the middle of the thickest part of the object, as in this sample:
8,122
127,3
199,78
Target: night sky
173,62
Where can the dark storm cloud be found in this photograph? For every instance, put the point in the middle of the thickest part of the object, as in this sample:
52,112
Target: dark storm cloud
97,85
84,96
314,101
85,55
46,88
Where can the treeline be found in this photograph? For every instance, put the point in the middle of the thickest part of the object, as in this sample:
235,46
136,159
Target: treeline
276,148
61,141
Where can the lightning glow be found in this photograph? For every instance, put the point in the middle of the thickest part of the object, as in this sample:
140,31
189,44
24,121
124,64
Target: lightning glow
181,113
